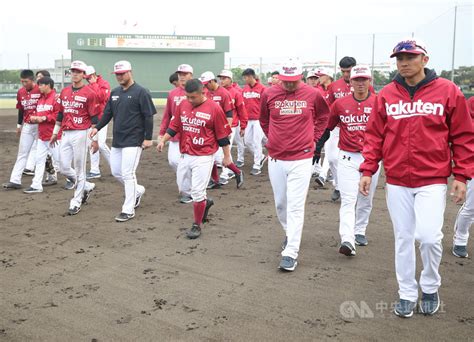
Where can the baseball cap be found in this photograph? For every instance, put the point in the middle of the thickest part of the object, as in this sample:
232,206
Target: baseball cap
184,68
322,71
78,65
409,45
312,73
362,71
226,73
206,77
122,67
90,70
291,71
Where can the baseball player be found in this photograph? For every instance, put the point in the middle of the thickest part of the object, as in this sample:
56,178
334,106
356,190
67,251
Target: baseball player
293,117
465,216
312,79
78,110
239,121
174,79
203,127
132,108
253,137
419,125
222,97
27,98
102,89
175,97
351,113
275,78
47,110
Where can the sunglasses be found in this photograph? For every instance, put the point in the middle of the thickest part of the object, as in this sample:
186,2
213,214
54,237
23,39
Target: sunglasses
407,45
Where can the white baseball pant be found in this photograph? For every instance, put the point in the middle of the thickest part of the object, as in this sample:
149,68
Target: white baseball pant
465,218
331,155
290,183
31,162
123,164
226,171
103,149
355,208
174,157
239,141
73,149
198,169
42,151
253,140
28,136
417,214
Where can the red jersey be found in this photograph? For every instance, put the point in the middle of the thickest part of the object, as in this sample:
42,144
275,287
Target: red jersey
175,97
77,106
200,127
418,136
352,116
341,88
293,122
222,97
48,106
252,97
324,92
240,112
27,100
102,90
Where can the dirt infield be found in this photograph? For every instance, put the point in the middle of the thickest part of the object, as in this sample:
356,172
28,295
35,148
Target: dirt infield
88,278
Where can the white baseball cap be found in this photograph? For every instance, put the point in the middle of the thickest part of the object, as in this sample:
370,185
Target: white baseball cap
312,73
184,68
78,65
409,45
291,71
90,70
322,71
226,73
361,71
206,77
122,67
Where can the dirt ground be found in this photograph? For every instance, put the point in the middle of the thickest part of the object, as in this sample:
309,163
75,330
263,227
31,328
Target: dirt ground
88,278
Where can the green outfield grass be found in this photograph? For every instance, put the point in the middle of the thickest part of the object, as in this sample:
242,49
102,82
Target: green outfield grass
11,103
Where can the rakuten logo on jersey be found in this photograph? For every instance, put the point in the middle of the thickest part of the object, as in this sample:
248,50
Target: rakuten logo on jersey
403,110
44,107
354,122
251,95
290,107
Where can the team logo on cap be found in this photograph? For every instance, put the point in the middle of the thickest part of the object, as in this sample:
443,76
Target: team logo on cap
290,70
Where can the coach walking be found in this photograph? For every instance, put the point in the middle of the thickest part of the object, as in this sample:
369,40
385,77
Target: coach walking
132,108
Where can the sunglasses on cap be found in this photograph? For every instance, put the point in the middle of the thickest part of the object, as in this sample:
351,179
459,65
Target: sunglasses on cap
407,46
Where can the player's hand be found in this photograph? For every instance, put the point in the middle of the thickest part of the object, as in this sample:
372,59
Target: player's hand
458,190
18,131
147,144
242,132
226,161
364,185
160,146
54,140
93,133
94,146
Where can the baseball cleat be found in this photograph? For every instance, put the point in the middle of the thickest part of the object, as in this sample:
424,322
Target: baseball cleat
404,308
194,232
320,181
223,181
239,179
230,175
361,240
429,304
92,175
239,164
213,185
460,251
347,249
209,204
335,195
122,217
255,171
48,166
70,184
86,194
28,172
138,199
185,199
73,211
50,180
31,190
11,186
288,264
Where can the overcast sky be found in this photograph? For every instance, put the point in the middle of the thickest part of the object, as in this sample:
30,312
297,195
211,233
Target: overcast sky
273,30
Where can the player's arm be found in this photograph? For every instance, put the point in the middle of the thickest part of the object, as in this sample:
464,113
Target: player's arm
174,128
241,112
320,116
264,114
166,118
105,119
148,109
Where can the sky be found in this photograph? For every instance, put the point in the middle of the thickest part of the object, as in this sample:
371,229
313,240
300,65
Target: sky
273,30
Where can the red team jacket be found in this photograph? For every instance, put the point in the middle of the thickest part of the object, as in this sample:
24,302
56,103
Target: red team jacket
48,106
102,90
293,122
175,97
27,100
352,116
240,112
200,127
77,106
252,97
413,134
222,97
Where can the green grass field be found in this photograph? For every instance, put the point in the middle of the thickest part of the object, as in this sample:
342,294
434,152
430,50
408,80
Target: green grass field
11,103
